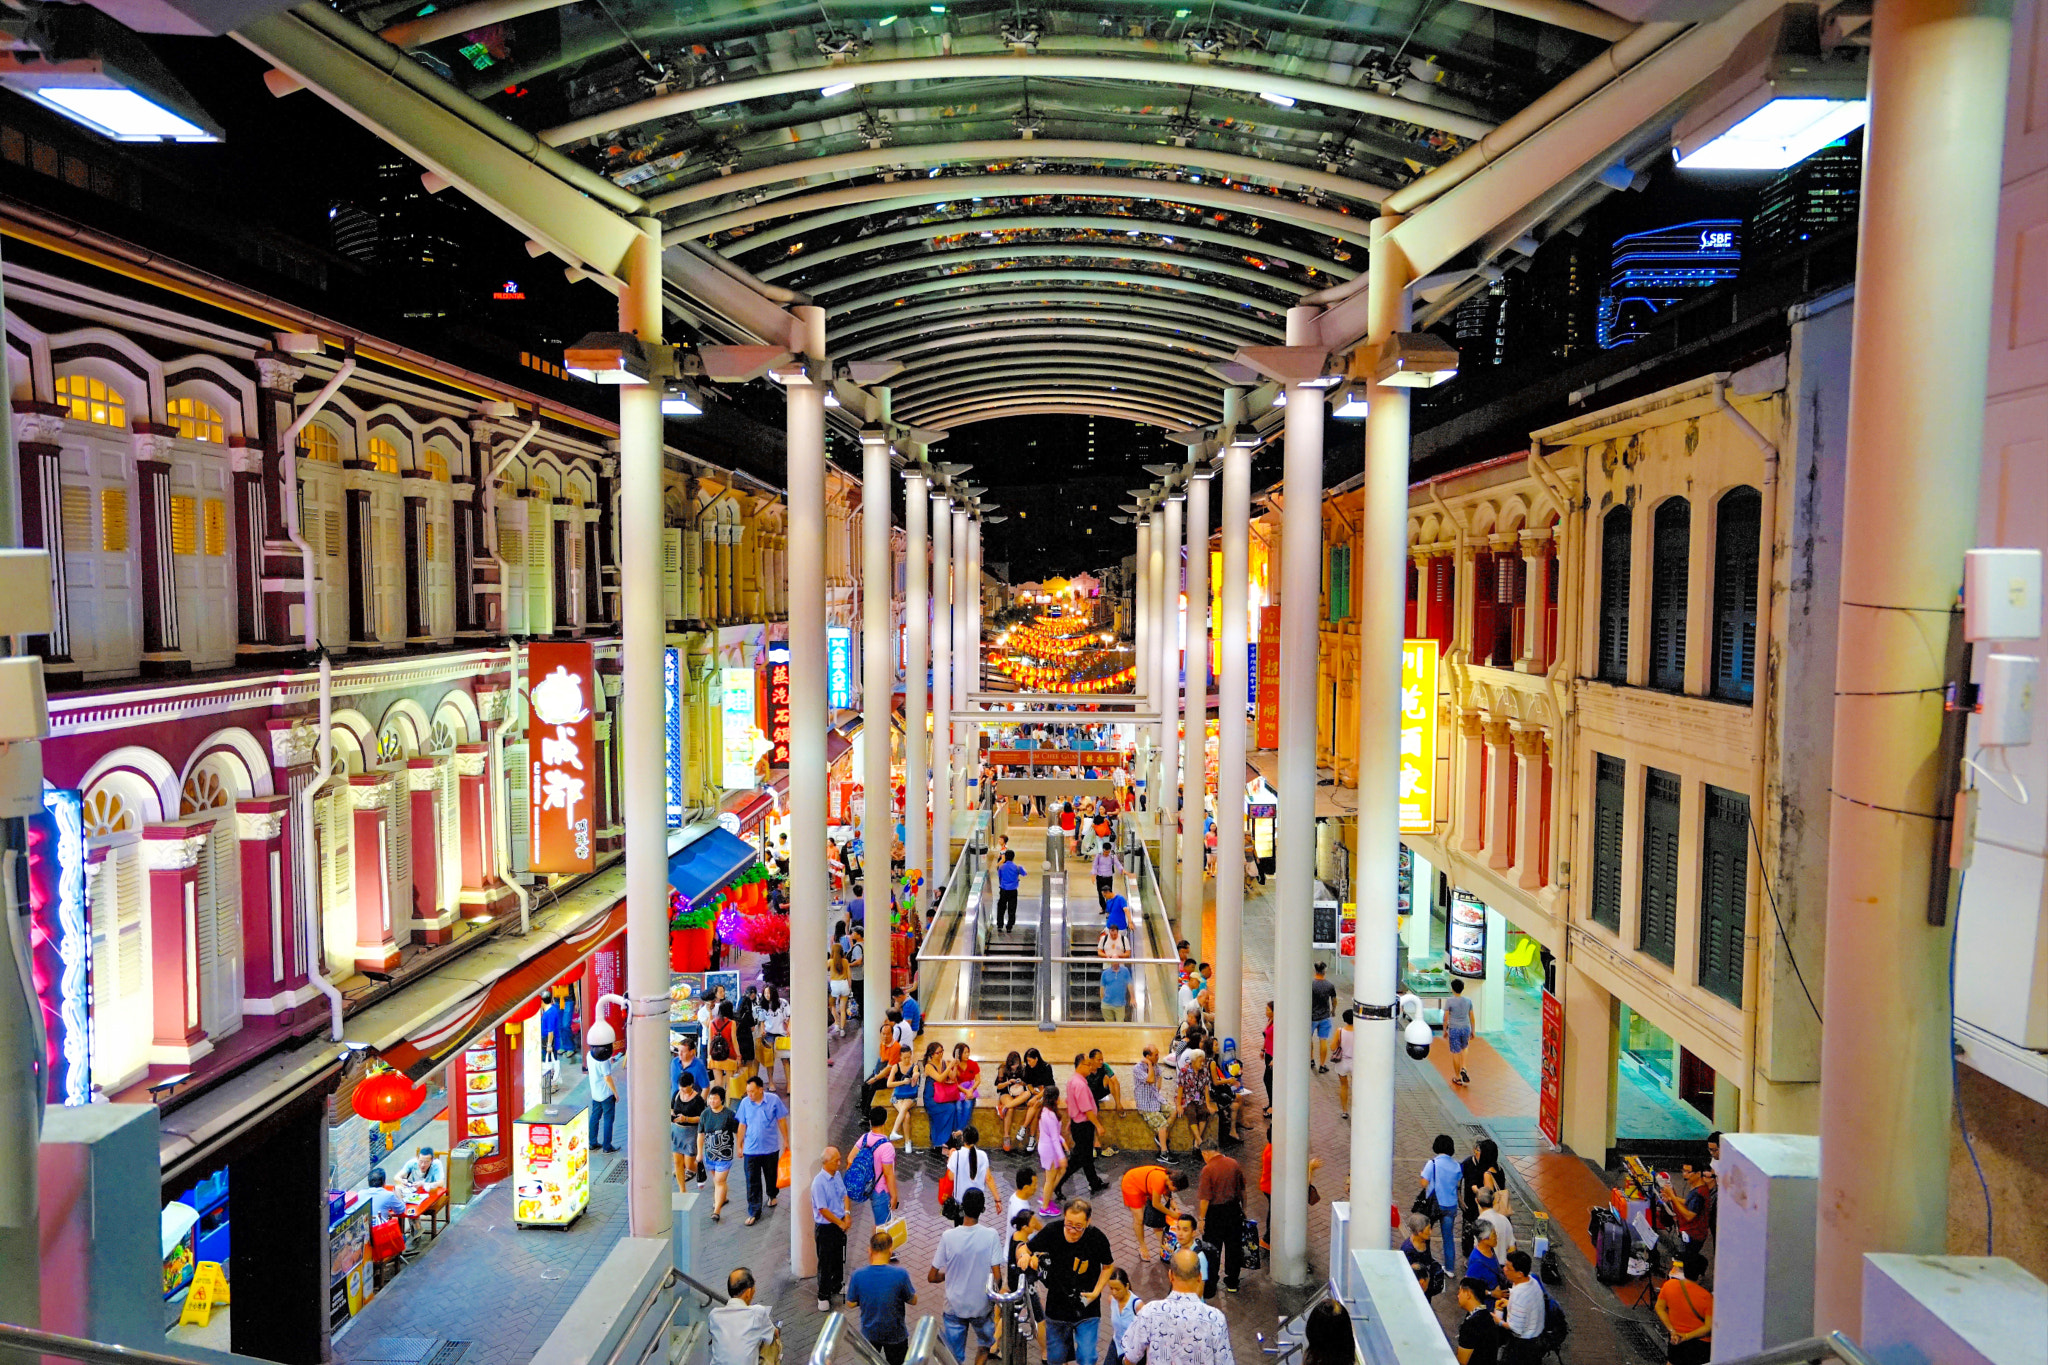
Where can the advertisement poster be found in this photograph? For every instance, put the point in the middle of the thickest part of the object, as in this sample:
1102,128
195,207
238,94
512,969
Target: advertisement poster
1465,950
1418,736
838,667
550,1165
1550,1096
672,732
737,733
1269,679
561,748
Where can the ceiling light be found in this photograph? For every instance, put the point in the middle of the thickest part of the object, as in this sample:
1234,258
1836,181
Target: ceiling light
607,358
884,23
116,112
829,91
1416,360
1351,403
1284,101
93,71
831,397
1244,440
1323,381
678,400
1778,99
1783,132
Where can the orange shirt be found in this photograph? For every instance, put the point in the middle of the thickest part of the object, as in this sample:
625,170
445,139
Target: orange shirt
1685,1304
1143,1183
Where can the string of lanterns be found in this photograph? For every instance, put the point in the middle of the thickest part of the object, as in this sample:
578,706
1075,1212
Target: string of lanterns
1062,654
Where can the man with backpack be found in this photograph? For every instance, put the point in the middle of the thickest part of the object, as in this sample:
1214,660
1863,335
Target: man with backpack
871,1168
1534,1321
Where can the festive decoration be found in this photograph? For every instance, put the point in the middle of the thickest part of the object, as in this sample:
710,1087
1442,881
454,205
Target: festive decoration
682,915
1064,654
386,1097
762,934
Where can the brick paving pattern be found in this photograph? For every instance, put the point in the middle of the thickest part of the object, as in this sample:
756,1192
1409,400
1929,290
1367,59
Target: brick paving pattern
502,1289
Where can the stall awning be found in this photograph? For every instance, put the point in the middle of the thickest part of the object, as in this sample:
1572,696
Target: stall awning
836,747
707,863
1265,763
747,807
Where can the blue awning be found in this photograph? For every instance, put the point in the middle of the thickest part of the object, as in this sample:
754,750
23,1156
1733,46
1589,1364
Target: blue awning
707,863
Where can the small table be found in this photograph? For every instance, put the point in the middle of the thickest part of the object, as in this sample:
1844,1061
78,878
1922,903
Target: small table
433,1207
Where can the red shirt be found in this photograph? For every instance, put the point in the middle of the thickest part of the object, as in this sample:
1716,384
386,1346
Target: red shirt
1266,1170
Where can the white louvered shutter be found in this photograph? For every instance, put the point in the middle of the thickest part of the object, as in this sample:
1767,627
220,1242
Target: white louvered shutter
224,852
674,573
692,585
398,853
340,821
540,568
512,549
448,821
517,816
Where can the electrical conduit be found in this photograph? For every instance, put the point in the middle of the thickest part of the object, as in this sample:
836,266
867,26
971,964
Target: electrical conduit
502,823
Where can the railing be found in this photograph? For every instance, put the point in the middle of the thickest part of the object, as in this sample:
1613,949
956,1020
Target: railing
56,1344
833,1335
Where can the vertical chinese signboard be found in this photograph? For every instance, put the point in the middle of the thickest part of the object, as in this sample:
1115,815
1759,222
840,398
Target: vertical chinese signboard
736,751
1418,736
561,758
778,705
1550,1096
672,731
838,667
1269,678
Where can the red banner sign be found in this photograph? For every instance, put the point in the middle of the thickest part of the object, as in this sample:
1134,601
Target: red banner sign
1550,1098
1269,678
561,754
778,706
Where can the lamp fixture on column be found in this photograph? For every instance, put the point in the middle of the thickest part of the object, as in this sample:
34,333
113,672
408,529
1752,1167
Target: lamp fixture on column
610,358
1782,96
679,399
1416,360
1351,402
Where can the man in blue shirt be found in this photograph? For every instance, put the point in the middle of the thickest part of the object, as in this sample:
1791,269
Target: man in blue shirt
882,1291
913,1013
1116,990
828,1213
686,1060
550,1030
1009,876
857,908
764,1128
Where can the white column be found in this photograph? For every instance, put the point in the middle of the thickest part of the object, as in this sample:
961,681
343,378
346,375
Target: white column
643,788
942,692
1169,709
1235,518
1141,610
963,568
1194,749
808,888
878,673
917,653
1383,593
1301,539
1155,574
1931,174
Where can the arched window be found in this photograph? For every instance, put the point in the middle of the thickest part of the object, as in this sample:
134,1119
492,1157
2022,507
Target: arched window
383,455
1615,547
92,400
204,791
318,443
434,465
1670,552
106,814
197,420
1737,531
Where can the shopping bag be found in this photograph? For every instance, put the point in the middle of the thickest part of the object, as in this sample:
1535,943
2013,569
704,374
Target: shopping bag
387,1240
782,1170
899,1231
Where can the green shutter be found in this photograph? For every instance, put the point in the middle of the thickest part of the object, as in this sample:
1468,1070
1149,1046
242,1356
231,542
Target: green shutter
1340,583
1609,793
1724,887
1737,531
1615,540
1670,556
1658,931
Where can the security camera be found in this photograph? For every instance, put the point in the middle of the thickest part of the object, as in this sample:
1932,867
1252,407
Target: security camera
600,1034
1417,1036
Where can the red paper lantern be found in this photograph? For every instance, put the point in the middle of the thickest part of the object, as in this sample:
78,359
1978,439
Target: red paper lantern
387,1097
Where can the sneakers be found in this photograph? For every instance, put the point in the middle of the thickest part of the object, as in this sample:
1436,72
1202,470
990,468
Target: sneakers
824,1305
1464,1076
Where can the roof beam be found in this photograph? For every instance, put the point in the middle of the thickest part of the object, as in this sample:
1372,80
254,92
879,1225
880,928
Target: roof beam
1012,149
1043,387
931,384
1106,300
1055,66
929,365
1106,250
1327,222
1149,416
1082,320
1173,284
1155,339
1049,223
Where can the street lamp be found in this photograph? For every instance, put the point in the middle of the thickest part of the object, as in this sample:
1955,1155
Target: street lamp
1416,360
1779,99
609,358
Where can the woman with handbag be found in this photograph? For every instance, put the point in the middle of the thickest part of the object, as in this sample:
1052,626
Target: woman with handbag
1013,1095
1438,1198
941,1097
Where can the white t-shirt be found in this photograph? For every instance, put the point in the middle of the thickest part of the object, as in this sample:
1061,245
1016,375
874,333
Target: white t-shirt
963,1180
964,1256
1503,1232
1016,1205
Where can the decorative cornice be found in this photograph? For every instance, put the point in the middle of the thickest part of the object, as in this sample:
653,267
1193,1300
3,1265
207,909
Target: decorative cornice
422,774
174,849
370,791
37,426
490,702
471,763
277,376
258,824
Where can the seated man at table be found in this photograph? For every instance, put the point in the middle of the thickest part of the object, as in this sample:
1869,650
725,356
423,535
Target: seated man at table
425,1170
384,1201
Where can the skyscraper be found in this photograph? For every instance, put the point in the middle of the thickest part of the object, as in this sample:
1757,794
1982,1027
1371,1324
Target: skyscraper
1811,199
1650,271
1479,327
411,237
1553,302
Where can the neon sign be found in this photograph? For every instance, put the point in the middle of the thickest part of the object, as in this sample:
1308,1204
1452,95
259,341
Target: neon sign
838,667
778,705
672,731
61,943
562,755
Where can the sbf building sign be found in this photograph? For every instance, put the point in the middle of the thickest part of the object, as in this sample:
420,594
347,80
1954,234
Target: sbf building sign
561,758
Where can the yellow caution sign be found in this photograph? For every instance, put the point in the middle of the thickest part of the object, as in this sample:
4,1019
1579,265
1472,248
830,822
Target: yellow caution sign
209,1291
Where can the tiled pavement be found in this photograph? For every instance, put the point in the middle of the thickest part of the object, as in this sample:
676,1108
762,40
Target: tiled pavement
502,1289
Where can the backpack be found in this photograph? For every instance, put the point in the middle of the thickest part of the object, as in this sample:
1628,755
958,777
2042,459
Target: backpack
721,1048
1254,1253
1555,1328
860,1170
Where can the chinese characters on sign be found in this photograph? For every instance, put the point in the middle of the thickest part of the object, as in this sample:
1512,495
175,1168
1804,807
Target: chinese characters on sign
838,667
1550,1096
672,731
561,758
1418,736
1269,679
778,705
736,730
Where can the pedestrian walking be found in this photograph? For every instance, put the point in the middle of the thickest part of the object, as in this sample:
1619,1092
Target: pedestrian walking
1009,877
1081,1110
1458,1025
1074,1259
763,1132
685,1110
718,1130
870,1175
1322,1003
969,1262
1116,988
1439,1194
1052,1147
1180,1329
1106,867
1219,1203
831,1219
882,1290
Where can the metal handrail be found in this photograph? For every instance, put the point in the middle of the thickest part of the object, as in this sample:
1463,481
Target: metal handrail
928,1344
1809,1351
714,1295
79,1349
833,1335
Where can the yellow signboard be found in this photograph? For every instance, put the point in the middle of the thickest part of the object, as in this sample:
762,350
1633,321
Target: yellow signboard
1418,736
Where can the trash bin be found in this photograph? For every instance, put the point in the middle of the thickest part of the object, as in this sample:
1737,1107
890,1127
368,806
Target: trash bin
461,1183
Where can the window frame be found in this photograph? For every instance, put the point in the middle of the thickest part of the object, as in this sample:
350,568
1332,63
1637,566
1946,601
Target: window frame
1738,545
1670,586
1657,899
1617,548
1610,815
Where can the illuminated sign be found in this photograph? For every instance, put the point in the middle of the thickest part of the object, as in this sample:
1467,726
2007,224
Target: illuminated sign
60,944
1418,736
508,290
1268,694
838,667
1719,239
561,758
737,732
672,731
778,705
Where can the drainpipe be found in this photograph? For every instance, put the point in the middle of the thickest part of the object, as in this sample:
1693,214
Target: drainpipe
502,822
1760,719
314,932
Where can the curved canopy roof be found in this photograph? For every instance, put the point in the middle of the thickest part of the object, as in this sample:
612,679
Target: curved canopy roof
1069,207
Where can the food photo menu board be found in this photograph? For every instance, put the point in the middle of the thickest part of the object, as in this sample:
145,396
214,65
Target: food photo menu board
551,1165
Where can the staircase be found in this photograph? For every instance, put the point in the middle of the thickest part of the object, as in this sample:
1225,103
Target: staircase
1084,979
1009,989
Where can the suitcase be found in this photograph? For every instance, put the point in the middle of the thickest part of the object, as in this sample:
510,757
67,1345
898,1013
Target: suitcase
1611,1249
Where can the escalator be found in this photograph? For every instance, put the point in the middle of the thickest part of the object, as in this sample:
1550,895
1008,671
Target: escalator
1084,979
1008,989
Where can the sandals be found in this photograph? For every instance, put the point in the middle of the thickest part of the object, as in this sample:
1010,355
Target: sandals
753,1219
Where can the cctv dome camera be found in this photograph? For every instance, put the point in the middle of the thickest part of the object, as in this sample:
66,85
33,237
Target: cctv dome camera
1417,1036
600,1034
